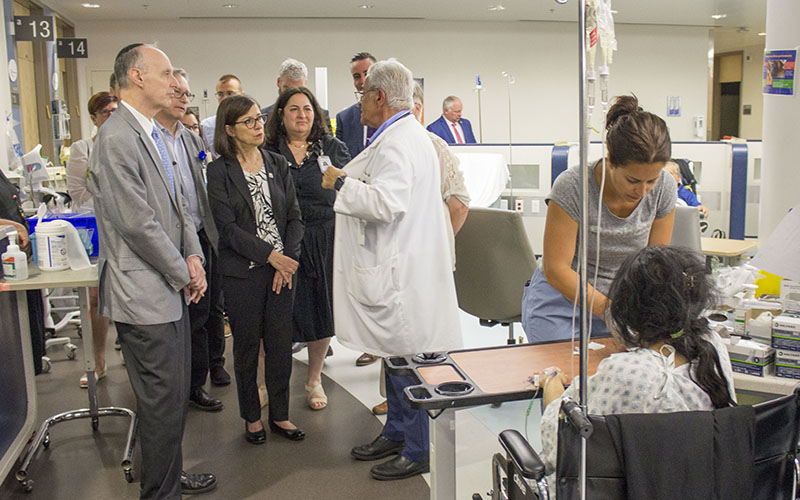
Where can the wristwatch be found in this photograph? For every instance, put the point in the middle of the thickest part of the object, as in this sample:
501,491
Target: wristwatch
339,182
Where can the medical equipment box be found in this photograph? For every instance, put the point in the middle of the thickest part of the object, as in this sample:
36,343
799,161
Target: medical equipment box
84,222
749,357
786,332
787,364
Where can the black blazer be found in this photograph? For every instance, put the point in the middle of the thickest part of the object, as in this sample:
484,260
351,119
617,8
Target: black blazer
235,218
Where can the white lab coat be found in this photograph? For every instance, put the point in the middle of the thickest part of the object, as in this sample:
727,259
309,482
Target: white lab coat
393,289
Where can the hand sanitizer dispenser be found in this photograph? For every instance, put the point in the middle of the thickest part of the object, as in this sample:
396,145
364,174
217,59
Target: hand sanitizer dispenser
15,262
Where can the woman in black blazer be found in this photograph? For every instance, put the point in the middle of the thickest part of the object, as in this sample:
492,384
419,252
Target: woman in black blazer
255,208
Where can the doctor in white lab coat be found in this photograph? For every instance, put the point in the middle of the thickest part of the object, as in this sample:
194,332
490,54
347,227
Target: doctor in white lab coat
392,282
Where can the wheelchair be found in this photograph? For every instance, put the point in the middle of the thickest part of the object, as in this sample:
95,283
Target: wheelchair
771,458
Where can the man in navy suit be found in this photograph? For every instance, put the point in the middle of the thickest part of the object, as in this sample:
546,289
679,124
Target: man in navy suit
348,121
450,126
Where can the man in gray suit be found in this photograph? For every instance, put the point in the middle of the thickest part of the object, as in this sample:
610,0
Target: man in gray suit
150,265
206,317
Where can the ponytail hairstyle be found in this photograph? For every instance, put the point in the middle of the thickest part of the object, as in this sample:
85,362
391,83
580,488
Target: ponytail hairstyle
659,294
634,135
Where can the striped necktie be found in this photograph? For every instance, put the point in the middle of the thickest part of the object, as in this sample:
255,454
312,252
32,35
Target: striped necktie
162,152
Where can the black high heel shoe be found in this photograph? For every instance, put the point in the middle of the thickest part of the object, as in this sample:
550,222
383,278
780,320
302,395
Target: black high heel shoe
290,434
257,437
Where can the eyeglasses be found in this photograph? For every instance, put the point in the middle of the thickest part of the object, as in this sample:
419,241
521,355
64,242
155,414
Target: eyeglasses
192,127
178,94
105,112
361,93
227,93
251,122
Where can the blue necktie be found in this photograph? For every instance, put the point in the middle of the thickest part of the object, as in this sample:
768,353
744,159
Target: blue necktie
162,152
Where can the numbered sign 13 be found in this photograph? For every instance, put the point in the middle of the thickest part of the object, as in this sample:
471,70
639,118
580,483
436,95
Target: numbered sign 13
30,28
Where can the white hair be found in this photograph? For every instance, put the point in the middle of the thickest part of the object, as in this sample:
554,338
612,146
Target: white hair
293,70
395,80
419,95
448,102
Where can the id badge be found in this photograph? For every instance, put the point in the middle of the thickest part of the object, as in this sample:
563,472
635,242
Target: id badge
362,232
324,162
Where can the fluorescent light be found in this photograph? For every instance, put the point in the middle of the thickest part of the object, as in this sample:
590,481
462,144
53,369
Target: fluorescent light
496,8
365,6
229,6
717,17
90,5
762,34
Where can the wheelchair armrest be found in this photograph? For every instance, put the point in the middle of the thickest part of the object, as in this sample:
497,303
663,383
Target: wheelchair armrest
525,459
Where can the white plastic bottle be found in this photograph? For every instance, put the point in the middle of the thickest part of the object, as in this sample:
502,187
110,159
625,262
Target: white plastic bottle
15,262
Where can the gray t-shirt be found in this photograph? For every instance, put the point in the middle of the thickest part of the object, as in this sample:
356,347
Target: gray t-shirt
620,237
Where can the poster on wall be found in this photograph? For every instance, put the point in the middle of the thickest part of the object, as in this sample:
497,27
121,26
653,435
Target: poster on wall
778,72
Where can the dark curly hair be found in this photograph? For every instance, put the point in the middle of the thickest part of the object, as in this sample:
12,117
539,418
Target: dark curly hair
634,135
662,291
275,130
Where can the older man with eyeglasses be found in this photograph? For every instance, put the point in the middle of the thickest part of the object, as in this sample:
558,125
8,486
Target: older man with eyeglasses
206,317
392,274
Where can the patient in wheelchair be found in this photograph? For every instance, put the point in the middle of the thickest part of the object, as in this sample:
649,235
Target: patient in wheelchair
674,362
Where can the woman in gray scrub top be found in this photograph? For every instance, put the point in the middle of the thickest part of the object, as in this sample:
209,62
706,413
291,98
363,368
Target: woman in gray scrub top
638,204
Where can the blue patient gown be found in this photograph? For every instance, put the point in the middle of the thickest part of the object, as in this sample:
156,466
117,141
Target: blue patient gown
547,314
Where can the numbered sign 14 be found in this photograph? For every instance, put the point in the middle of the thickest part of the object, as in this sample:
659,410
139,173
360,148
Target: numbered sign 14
69,48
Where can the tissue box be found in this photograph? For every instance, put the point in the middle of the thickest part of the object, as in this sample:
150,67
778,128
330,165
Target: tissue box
84,222
790,296
750,357
787,364
786,332
759,325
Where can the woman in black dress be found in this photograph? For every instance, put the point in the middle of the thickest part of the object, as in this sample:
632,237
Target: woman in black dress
297,130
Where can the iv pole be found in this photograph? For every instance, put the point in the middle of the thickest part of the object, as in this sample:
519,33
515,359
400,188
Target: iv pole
583,233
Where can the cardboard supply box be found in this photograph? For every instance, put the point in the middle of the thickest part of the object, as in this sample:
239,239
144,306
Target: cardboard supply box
787,364
750,357
786,332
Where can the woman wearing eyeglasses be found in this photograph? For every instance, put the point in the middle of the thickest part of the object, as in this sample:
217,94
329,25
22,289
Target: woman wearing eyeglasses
101,105
297,130
255,207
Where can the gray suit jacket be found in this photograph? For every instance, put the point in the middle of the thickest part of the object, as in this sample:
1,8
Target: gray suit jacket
145,231
193,146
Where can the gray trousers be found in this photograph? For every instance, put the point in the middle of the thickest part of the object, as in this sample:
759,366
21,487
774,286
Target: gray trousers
158,360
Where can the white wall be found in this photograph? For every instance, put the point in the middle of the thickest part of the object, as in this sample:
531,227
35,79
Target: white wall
750,126
653,61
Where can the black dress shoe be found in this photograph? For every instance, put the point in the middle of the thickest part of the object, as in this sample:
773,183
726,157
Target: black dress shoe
257,437
200,399
194,484
290,434
379,448
219,376
398,468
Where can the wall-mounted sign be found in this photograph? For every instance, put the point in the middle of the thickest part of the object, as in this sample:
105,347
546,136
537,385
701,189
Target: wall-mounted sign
70,48
12,70
674,105
30,28
778,72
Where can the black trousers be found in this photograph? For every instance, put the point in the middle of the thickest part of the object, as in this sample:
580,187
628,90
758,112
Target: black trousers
256,313
207,320
157,360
